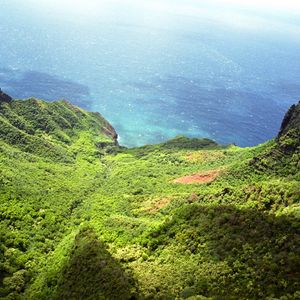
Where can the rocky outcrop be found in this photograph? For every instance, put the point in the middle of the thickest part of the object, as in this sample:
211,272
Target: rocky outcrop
4,97
108,129
286,149
291,120
288,139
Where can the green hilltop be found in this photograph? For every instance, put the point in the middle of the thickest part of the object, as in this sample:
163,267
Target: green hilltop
84,218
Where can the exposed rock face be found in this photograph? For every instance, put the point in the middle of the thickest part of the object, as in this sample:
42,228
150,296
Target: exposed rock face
4,97
108,129
291,120
287,145
288,138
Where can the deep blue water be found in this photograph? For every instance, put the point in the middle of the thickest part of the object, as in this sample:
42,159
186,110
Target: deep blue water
156,72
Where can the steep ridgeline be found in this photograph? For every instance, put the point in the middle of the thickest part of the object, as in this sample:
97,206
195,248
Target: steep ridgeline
83,218
4,97
284,156
289,135
51,129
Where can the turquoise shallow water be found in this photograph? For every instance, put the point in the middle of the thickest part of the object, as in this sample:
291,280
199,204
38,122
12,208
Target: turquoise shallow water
156,71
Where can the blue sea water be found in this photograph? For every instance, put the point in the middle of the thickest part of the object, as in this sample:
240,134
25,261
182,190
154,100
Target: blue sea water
156,69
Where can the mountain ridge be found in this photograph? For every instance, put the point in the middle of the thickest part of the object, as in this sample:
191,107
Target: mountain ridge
84,218
291,119
51,126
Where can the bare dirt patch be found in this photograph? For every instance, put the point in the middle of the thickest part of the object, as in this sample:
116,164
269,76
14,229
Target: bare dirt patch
202,177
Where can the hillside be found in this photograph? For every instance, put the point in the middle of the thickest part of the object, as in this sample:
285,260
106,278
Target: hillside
51,129
83,218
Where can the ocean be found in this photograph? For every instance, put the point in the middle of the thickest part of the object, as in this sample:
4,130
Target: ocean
156,69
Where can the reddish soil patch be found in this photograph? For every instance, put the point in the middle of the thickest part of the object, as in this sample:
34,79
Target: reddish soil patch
203,177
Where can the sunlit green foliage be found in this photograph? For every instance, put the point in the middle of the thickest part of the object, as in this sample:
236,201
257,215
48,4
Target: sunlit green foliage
81,218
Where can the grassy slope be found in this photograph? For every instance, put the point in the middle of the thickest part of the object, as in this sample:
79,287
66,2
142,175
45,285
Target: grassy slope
234,238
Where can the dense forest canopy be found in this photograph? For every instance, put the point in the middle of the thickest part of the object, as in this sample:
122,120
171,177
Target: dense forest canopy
84,218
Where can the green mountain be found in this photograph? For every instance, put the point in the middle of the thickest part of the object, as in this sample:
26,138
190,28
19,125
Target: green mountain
83,218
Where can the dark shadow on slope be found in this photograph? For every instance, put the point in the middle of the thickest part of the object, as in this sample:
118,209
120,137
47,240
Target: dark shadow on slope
261,250
44,86
92,273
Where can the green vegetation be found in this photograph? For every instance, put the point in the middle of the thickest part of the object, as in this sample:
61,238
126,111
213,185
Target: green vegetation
82,218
